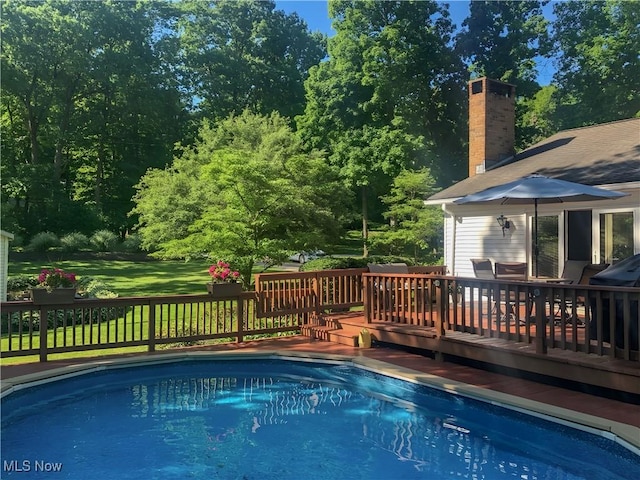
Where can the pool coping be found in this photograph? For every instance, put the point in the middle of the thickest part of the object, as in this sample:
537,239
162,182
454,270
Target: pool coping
626,435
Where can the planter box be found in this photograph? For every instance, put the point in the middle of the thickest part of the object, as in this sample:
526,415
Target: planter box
224,290
57,296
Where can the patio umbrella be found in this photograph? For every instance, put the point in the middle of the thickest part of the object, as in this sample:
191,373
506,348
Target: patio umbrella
537,189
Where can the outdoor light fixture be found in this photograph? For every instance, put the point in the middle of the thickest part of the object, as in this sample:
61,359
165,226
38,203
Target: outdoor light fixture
504,223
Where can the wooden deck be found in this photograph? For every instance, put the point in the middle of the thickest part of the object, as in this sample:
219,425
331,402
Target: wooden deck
600,371
490,322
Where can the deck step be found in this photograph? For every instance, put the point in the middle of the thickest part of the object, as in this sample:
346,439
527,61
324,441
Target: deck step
345,336
328,333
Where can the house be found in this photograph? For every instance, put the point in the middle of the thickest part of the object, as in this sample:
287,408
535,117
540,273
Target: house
606,156
5,238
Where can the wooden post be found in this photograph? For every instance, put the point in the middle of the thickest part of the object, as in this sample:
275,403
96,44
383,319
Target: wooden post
44,320
316,298
152,327
367,299
240,303
541,320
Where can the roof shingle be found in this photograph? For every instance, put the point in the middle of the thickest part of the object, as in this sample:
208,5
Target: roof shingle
602,154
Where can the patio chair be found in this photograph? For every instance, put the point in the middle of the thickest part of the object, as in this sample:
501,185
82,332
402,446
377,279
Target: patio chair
511,270
588,271
483,269
571,272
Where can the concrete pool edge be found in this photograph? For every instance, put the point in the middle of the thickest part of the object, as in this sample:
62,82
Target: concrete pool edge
626,435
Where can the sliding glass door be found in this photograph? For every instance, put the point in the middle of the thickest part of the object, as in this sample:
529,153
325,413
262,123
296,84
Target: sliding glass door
616,236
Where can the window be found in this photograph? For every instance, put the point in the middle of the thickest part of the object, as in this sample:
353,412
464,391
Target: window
547,247
616,236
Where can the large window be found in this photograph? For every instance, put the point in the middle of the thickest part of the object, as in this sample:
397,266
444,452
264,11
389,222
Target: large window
547,247
616,236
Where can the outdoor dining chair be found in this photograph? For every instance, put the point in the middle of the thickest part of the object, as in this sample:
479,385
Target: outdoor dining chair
511,270
483,269
566,304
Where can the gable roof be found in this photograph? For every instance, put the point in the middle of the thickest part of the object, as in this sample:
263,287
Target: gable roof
602,154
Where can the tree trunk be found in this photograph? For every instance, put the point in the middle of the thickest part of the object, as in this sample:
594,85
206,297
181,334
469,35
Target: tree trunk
63,128
365,224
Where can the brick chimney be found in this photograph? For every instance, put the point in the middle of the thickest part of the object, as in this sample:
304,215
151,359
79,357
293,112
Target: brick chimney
491,123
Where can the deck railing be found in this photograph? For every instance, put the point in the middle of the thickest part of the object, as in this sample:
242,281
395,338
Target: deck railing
91,324
309,293
590,319
580,318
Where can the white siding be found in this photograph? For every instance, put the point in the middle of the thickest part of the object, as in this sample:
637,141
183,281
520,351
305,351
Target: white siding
481,237
476,233
5,237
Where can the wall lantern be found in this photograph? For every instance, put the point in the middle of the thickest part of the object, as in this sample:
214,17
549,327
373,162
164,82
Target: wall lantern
504,223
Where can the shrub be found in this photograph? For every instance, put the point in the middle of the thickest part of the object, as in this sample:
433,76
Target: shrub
43,241
333,263
93,288
73,242
132,244
104,240
21,283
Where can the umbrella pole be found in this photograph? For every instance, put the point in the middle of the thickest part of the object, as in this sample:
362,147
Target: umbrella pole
535,234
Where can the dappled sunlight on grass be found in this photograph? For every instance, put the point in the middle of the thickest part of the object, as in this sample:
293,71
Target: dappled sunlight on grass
131,278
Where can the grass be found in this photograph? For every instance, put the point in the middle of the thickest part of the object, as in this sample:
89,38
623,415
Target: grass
128,278
351,244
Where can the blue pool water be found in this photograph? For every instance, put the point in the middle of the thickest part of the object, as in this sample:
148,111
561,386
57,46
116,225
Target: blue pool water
278,419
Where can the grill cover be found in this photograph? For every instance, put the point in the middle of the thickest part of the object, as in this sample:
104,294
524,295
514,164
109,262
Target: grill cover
625,273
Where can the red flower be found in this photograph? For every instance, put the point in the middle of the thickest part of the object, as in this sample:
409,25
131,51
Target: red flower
56,278
221,273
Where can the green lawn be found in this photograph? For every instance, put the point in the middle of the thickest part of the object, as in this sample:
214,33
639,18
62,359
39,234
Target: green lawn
128,278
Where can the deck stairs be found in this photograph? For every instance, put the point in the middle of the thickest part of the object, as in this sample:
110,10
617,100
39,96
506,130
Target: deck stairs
343,329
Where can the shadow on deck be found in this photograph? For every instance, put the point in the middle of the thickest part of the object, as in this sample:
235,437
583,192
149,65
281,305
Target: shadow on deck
571,366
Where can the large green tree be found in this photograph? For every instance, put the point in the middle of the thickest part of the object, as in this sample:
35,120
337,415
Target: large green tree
503,40
597,44
241,54
86,109
245,191
389,96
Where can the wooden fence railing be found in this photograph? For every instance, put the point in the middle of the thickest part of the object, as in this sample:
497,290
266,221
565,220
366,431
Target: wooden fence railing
581,318
309,293
90,324
596,320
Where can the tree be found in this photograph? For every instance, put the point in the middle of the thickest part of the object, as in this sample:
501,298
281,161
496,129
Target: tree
389,97
414,228
502,40
242,54
597,43
84,93
245,190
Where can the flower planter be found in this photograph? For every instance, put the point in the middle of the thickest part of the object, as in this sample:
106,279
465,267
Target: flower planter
57,296
224,290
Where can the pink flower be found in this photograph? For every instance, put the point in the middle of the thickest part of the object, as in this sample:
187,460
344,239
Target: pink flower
221,272
56,278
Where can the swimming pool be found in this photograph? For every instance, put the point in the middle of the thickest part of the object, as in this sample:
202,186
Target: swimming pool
283,419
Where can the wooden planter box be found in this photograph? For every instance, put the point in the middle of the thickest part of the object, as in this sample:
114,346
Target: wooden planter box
224,290
57,296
